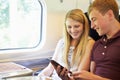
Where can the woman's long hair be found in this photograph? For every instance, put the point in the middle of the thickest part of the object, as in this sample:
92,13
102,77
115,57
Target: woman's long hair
77,15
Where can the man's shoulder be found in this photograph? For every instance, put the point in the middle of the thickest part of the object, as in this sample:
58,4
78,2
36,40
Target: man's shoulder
97,42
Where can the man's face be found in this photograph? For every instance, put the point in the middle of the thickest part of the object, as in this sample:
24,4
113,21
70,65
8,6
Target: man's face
98,22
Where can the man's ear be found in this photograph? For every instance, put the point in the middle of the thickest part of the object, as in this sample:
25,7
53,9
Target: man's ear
110,14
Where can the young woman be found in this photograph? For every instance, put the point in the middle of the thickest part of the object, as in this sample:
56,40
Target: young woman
74,49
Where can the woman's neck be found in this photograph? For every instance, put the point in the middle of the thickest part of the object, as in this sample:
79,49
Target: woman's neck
74,42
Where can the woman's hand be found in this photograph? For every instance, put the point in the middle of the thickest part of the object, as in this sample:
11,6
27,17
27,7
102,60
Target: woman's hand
63,73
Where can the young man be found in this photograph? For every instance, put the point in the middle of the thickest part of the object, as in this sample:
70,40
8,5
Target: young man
105,58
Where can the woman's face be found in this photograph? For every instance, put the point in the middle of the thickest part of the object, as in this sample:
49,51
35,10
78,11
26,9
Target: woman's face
74,28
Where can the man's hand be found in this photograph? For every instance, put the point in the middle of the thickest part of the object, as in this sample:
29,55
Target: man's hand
85,75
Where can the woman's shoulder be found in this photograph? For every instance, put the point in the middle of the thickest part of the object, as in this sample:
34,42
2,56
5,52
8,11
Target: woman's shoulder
60,42
90,43
91,40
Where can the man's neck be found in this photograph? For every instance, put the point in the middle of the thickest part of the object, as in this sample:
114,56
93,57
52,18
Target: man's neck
114,29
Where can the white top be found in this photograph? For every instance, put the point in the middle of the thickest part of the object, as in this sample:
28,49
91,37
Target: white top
59,58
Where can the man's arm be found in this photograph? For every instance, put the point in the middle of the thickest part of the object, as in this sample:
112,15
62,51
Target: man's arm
85,75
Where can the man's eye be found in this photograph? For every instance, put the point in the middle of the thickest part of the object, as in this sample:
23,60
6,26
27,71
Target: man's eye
94,19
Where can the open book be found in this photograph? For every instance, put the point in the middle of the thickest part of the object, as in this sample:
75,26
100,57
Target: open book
10,69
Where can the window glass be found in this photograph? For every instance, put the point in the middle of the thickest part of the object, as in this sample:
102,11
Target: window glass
20,24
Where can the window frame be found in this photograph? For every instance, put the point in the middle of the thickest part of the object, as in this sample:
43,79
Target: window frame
42,31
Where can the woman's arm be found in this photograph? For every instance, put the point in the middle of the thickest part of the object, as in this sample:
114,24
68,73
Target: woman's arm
92,67
85,62
47,71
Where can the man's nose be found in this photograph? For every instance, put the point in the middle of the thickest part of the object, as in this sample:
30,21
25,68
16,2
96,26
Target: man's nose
92,25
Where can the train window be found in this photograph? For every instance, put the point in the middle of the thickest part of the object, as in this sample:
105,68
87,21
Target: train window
21,23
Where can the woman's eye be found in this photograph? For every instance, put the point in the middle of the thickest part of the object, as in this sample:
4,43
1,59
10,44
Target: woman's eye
68,26
77,26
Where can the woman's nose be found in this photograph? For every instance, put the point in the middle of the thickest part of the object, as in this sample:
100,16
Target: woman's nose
72,29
